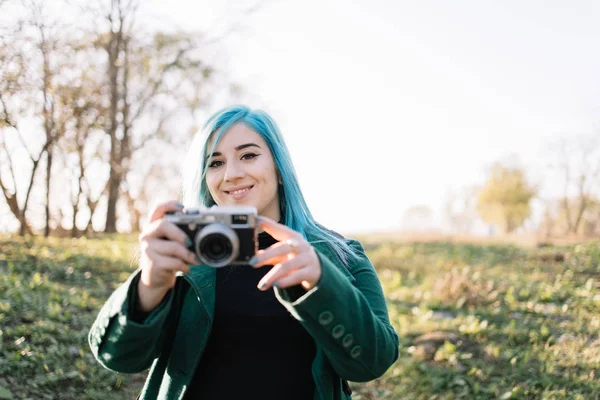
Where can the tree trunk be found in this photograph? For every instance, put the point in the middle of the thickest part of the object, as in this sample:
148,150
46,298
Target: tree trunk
23,227
48,114
48,176
582,206
13,204
92,206
74,230
113,48
111,210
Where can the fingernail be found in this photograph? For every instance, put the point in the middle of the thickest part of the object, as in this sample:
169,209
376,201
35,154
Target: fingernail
180,205
253,260
261,285
188,242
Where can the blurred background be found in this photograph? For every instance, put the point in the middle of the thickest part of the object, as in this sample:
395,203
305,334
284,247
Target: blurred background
479,118
460,141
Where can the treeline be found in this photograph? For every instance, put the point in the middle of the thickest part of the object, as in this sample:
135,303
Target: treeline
91,99
574,208
556,196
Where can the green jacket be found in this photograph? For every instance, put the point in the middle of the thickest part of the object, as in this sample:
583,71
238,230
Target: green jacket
345,313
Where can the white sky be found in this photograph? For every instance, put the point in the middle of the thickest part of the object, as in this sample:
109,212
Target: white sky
387,104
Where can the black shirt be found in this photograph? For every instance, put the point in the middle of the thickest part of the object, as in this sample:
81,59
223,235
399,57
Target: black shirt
256,348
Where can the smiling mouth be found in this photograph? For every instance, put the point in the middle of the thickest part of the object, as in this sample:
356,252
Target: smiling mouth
239,191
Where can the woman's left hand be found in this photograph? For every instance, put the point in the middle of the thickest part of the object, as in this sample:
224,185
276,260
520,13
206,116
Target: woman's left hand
294,260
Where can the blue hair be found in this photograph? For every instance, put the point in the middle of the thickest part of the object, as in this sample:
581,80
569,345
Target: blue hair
294,210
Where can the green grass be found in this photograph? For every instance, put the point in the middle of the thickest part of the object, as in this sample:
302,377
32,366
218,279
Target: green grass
51,291
475,321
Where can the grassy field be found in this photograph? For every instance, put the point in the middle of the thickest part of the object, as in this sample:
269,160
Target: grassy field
476,321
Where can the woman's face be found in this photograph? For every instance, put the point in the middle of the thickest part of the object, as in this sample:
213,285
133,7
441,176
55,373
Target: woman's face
241,171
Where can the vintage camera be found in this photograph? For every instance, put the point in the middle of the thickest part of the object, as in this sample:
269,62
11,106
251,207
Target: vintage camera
220,236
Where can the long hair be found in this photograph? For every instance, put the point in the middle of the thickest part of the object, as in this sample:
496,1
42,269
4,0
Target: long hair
294,210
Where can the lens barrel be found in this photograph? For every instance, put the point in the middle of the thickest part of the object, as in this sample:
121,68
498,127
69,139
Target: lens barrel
217,245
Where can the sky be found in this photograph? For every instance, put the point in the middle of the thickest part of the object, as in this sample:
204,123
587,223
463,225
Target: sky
389,104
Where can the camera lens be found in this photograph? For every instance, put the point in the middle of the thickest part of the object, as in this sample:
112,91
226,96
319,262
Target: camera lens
216,247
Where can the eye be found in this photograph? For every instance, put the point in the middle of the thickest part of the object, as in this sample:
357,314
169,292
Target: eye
215,164
249,156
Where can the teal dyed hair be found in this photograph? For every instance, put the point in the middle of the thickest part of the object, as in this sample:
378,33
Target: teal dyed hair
294,210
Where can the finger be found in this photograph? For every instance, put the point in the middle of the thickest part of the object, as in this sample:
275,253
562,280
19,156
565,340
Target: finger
282,269
179,266
172,248
166,230
302,276
158,269
277,230
277,253
162,209
169,264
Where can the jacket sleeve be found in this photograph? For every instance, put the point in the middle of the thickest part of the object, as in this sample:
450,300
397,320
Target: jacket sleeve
347,318
122,344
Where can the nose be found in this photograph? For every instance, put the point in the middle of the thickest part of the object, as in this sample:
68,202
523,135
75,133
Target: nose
233,171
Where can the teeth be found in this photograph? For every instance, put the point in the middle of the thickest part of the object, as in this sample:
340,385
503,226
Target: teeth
240,191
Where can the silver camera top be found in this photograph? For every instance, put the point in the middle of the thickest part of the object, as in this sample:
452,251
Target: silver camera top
238,216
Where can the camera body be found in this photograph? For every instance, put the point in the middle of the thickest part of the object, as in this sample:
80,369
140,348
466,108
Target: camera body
220,235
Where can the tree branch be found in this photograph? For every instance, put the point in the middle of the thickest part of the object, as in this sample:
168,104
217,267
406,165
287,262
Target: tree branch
8,120
35,166
156,133
10,166
566,169
144,100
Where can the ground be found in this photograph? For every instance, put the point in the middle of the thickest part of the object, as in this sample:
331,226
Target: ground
476,320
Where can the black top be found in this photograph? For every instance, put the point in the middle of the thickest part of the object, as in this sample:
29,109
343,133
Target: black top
256,348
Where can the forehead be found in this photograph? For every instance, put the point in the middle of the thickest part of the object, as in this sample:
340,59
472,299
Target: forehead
236,135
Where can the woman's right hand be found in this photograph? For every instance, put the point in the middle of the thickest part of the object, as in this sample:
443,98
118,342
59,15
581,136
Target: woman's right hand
164,252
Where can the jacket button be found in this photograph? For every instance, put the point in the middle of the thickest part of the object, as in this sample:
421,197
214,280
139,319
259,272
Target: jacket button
355,351
348,340
325,318
337,331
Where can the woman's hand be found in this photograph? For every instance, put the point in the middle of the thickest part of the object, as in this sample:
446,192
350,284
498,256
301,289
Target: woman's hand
164,252
294,260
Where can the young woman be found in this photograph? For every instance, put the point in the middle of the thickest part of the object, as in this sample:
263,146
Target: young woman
304,318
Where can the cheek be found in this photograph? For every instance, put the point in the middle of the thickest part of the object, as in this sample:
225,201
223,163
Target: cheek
275,177
212,183
270,172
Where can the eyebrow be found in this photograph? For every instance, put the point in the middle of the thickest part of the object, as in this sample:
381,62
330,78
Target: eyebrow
238,148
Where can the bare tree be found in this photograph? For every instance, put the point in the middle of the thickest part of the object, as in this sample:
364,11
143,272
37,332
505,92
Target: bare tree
82,109
47,44
13,70
578,162
151,77
11,191
31,50
459,210
417,218
158,182
137,85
